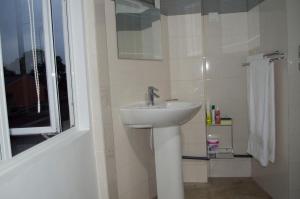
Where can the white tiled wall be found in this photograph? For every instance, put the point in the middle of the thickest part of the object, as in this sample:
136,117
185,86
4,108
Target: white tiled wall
238,167
129,79
271,18
293,15
223,40
187,83
195,171
253,17
226,48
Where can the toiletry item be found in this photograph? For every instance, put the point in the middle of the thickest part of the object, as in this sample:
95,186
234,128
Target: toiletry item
213,114
218,116
212,145
226,121
208,114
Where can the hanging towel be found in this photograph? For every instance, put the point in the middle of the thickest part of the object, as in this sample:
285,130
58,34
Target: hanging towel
261,103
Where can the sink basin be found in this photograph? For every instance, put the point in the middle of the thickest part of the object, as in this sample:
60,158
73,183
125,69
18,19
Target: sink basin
165,118
164,114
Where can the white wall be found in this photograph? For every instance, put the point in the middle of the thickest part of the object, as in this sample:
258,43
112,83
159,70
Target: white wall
270,18
105,97
129,79
293,15
185,34
281,179
226,48
223,40
63,168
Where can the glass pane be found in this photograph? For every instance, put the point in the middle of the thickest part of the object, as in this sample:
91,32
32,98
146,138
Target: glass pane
22,143
138,29
18,59
61,59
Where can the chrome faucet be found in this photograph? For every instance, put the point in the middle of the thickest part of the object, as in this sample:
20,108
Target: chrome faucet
151,95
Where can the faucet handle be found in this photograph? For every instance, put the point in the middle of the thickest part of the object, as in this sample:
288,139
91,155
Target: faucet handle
152,88
151,94
157,96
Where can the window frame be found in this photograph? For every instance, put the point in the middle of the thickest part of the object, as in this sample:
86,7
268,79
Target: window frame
77,59
5,147
51,74
68,62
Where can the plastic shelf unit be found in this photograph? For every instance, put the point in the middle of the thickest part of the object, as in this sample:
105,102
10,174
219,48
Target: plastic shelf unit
224,135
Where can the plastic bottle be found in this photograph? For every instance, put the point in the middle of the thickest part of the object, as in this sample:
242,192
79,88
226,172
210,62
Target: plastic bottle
213,114
208,114
212,145
218,116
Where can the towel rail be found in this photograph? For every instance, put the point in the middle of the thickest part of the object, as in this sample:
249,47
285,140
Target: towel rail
274,56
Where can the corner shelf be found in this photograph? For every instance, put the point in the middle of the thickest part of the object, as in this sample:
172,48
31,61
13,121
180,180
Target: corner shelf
222,152
212,125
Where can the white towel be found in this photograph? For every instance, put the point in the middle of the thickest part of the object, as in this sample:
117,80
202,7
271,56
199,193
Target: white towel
261,103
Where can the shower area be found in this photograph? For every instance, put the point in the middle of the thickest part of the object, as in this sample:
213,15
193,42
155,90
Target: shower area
209,42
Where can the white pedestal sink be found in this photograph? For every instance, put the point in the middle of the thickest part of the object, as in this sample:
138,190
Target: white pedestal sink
165,119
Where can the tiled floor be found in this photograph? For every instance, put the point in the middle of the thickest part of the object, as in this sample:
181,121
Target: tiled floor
225,188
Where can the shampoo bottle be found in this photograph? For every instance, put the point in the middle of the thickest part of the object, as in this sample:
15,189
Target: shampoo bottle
208,114
218,116
213,114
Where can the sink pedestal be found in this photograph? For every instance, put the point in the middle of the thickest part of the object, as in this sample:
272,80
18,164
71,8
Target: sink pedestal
167,146
166,119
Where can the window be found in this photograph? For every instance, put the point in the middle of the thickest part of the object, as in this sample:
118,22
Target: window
36,70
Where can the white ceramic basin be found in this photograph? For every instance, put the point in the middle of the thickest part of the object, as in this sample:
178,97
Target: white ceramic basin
164,114
165,118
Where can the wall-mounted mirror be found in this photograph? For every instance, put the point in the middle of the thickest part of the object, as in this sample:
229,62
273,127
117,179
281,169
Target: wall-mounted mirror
138,29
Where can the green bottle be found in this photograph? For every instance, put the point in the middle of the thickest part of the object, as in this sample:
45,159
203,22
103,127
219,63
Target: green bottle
208,115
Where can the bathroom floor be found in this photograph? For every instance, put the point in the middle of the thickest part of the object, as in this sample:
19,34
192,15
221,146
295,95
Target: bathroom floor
225,188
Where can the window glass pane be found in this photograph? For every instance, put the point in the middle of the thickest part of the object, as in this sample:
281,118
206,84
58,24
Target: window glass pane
60,42
22,143
18,59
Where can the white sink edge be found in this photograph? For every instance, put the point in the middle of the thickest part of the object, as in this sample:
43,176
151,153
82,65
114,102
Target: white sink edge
159,105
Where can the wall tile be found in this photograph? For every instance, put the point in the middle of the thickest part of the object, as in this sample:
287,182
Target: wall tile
188,90
294,175
263,24
194,148
187,83
253,29
230,167
129,80
195,171
234,28
187,69
294,147
294,194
